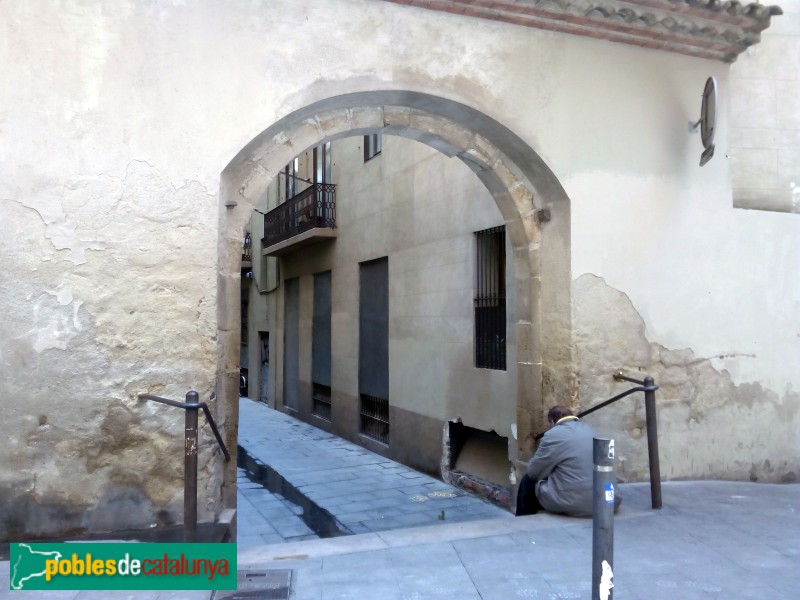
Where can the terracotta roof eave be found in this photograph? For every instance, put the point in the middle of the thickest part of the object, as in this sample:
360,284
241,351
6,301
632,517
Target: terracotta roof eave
645,39
724,12
707,28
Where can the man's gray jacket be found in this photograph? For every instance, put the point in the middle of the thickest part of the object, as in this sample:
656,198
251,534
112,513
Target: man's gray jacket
563,468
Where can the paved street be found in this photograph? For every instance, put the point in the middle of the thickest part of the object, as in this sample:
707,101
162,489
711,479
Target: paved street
362,491
712,539
721,540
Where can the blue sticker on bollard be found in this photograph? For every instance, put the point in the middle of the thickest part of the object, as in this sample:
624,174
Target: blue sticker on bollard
609,493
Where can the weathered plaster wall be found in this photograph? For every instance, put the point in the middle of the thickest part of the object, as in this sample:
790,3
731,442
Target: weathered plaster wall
85,331
717,285
108,275
113,135
705,419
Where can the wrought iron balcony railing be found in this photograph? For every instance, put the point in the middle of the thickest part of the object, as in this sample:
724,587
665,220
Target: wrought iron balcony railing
314,207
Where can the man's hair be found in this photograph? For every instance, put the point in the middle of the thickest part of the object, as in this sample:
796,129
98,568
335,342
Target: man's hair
557,413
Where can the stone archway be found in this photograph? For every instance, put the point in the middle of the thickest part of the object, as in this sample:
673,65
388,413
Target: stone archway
530,198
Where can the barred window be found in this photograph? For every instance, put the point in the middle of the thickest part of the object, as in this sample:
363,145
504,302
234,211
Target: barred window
375,418
490,299
321,401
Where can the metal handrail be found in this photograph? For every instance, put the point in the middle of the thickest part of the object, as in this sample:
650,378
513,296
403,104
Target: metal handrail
648,386
588,411
194,405
620,377
191,407
645,388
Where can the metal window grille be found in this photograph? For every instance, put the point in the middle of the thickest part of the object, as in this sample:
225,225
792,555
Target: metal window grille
490,299
375,418
321,401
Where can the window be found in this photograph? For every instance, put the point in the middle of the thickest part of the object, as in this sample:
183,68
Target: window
291,343
322,163
373,349
372,146
290,177
490,299
321,401
375,418
264,335
245,298
321,347
263,382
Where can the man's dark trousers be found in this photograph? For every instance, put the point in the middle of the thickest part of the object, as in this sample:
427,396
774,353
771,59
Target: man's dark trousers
527,502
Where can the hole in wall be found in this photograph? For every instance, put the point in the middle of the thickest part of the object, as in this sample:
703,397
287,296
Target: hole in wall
477,461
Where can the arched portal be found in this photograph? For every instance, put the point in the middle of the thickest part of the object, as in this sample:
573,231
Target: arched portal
530,198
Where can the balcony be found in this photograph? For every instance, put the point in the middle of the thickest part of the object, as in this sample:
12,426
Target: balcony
305,218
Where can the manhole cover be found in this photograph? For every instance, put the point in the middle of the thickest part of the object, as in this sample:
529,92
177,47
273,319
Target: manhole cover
442,494
419,498
259,585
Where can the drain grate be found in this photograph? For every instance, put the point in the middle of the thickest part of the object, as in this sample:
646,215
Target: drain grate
273,584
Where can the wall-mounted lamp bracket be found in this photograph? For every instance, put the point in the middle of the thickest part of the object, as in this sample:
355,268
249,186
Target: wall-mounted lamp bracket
708,120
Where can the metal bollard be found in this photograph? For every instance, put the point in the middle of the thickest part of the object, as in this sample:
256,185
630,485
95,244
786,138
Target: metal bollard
603,520
190,468
652,441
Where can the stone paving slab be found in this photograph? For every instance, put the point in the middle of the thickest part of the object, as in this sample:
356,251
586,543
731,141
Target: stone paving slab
361,489
703,544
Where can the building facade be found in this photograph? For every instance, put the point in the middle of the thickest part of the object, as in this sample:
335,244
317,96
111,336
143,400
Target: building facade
392,323
138,141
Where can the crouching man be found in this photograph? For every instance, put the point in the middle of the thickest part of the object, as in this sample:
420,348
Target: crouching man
561,472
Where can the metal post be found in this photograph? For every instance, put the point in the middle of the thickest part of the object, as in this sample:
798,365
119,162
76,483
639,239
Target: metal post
190,469
652,441
603,520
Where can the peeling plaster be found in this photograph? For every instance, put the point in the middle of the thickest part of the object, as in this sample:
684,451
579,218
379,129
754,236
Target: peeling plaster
79,416
61,231
63,295
709,427
52,331
140,177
